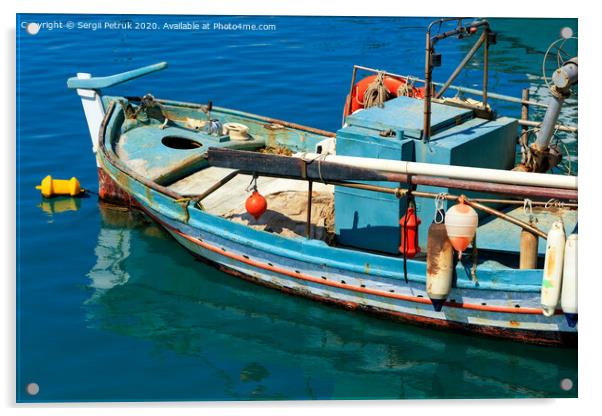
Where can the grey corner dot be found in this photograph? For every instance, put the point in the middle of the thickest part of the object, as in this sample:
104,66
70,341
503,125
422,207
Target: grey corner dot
33,389
566,32
566,384
32,28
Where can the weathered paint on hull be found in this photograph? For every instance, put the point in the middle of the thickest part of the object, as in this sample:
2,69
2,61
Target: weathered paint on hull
532,337
109,191
414,314
497,306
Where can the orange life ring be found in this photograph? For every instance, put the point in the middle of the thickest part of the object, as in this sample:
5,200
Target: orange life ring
392,85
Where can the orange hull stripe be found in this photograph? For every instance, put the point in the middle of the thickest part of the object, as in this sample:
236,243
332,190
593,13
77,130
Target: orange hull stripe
301,276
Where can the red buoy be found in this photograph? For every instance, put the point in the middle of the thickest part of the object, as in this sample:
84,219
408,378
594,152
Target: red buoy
409,233
256,205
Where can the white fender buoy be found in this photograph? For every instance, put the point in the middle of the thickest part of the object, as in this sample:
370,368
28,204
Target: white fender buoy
552,270
439,265
568,298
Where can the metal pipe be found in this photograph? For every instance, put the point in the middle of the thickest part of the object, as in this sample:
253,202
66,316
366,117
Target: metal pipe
524,116
503,189
530,123
317,169
563,78
308,222
544,136
522,202
485,67
459,30
399,192
428,67
559,127
414,180
216,186
490,188
499,214
350,104
450,171
462,64
494,95
428,72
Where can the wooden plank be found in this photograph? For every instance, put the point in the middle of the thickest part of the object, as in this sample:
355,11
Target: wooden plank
290,167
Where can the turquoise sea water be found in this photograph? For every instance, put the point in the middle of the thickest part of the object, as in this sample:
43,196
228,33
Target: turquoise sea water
110,308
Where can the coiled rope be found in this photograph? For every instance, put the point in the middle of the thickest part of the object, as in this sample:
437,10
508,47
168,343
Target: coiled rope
406,89
376,94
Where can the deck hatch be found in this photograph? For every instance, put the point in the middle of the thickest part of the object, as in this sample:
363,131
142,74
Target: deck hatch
180,143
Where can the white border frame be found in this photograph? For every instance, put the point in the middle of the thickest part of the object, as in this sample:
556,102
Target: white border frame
590,286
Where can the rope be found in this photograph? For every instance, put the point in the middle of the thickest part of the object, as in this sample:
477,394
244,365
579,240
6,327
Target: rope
252,185
528,209
406,89
146,102
475,260
320,169
554,203
439,211
376,94
319,158
525,151
567,154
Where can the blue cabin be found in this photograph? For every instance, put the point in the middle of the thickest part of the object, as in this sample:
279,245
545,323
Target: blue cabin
370,220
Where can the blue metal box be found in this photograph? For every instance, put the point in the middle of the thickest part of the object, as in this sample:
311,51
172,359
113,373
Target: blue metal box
370,220
407,115
477,143
364,218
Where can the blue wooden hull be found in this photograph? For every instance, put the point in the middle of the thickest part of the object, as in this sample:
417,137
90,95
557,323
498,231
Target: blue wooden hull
502,302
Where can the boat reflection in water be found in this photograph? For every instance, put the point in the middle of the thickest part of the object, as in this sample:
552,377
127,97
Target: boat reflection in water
253,343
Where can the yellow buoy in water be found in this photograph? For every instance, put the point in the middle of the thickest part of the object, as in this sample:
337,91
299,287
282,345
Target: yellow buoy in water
51,187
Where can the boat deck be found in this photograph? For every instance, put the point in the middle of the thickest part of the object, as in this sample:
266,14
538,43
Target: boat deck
287,202
287,209
157,153
287,213
175,156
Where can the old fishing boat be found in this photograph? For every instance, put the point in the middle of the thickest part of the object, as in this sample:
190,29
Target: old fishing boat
399,213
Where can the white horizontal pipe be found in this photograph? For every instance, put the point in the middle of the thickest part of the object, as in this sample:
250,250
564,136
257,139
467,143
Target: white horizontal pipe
448,171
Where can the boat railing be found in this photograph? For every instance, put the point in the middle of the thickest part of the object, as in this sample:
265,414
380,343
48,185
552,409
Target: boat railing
525,102
433,60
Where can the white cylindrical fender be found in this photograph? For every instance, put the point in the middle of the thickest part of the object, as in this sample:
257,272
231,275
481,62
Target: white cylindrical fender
552,270
439,265
568,299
